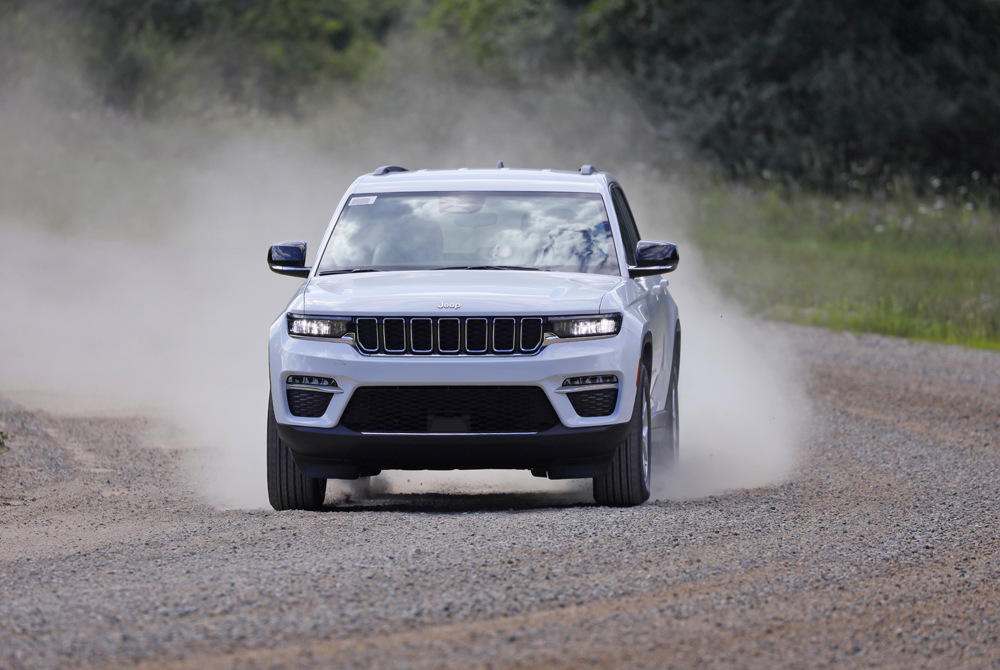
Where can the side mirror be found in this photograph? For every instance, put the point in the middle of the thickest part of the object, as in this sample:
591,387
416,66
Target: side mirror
288,258
654,258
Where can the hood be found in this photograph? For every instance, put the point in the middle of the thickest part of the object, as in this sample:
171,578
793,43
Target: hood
476,292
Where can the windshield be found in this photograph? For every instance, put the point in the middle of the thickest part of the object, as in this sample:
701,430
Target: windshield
563,232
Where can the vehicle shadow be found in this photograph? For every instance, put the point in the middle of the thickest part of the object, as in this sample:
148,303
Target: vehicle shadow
459,502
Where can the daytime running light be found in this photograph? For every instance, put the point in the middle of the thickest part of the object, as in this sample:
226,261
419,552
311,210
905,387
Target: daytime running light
312,327
588,327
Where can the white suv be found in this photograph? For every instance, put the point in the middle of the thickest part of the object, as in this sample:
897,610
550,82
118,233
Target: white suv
462,319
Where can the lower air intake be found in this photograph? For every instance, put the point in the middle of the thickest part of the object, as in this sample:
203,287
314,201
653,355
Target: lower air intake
594,403
449,409
308,404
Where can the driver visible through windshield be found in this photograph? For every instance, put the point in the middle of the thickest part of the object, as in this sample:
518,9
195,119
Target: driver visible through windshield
561,232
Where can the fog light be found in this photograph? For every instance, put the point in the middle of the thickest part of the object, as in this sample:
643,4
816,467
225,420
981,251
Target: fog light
318,382
590,381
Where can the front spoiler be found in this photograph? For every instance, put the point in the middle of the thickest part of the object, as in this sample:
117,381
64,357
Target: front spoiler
559,453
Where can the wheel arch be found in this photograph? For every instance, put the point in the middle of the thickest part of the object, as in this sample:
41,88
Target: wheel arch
676,361
647,349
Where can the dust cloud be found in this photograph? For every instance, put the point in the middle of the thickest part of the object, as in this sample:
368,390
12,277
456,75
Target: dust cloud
133,277
743,409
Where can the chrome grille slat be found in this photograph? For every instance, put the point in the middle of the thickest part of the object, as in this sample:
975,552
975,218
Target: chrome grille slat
476,329
394,335
424,335
503,335
421,336
449,333
367,331
531,334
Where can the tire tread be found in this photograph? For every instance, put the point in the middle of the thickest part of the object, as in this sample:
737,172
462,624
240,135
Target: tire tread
287,487
622,485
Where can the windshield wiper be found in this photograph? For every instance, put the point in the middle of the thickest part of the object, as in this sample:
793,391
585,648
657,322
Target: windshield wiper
345,272
490,267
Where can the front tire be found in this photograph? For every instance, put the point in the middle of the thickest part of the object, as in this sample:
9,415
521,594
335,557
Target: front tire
287,487
627,482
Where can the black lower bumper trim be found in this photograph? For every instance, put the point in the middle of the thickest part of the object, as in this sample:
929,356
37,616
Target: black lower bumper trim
562,453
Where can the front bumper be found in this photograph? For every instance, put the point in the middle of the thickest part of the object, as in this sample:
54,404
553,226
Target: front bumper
547,370
577,447
559,453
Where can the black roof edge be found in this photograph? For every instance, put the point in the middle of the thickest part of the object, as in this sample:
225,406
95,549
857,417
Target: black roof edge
386,169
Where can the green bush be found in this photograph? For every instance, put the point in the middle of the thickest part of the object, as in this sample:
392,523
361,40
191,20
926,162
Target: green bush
258,53
827,90
844,94
506,38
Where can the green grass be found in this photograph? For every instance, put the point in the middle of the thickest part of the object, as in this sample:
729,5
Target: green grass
922,268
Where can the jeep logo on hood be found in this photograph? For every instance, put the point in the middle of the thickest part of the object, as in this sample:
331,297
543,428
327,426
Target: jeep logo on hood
449,305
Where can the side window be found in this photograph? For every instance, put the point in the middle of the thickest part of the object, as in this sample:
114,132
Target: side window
625,223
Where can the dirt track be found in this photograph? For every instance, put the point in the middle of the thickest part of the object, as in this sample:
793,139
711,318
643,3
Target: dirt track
882,550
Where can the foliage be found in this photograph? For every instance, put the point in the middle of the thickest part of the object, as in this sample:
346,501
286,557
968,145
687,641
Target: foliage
258,53
838,93
503,37
815,88
3,443
925,268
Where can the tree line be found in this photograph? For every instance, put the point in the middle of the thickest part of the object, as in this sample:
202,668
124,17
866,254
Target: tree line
835,93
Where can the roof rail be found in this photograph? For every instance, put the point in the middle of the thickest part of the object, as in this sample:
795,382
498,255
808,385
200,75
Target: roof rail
588,169
386,169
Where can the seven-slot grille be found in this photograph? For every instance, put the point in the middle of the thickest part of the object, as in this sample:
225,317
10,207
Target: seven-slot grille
449,335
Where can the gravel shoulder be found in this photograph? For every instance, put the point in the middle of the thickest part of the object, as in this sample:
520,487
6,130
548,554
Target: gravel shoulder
881,550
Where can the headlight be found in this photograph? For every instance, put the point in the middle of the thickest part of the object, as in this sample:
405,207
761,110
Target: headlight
310,326
592,326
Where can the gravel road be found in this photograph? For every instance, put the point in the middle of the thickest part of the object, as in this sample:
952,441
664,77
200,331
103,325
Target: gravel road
881,550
